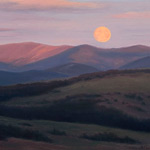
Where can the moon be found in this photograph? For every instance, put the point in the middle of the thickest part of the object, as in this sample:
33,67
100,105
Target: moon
102,34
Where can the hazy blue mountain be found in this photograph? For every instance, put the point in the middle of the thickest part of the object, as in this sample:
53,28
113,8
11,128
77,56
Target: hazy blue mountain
67,70
140,63
73,69
8,78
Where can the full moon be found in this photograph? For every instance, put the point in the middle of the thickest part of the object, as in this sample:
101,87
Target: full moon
102,34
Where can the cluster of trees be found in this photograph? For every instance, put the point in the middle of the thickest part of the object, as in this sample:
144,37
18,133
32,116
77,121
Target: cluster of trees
24,90
134,96
58,132
109,73
14,131
78,110
109,137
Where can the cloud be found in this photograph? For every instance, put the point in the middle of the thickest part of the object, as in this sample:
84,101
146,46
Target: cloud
6,29
47,5
133,15
8,33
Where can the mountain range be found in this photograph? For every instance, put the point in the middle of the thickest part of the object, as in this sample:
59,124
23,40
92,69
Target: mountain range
31,62
35,56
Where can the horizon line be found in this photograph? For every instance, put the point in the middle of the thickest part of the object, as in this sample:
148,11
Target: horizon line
73,45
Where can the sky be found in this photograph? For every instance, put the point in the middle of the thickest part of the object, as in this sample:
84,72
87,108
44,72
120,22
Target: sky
72,22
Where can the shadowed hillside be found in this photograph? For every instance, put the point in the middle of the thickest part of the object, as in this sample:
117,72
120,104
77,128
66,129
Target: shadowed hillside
63,71
9,78
74,69
140,63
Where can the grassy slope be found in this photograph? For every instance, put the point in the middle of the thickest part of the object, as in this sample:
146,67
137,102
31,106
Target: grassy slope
129,83
113,89
134,83
73,131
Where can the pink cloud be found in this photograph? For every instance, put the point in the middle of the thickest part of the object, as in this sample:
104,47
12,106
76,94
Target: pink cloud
47,4
6,29
133,15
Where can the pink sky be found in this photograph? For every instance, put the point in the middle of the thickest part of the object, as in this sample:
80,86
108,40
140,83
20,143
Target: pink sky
70,22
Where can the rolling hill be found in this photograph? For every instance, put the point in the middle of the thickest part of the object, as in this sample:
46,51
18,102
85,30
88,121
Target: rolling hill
127,91
102,110
9,78
63,71
140,63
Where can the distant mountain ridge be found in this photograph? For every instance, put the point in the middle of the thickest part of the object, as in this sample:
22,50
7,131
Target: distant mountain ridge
102,59
73,69
9,78
28,52
138,64
63,71
34,56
